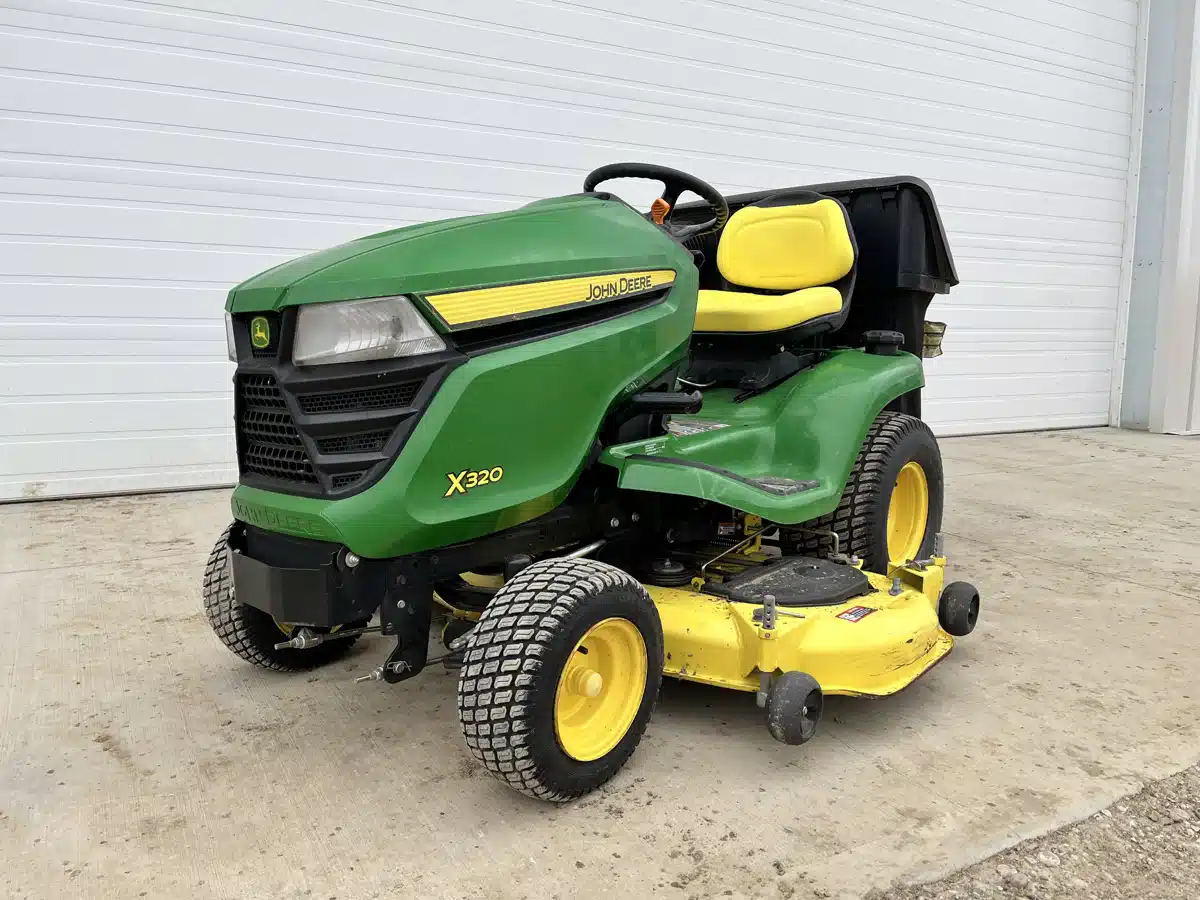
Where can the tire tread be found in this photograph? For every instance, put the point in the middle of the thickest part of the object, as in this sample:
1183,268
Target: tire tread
504,656
236,627
851,520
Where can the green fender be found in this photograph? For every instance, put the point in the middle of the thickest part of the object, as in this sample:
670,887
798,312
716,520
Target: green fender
809,429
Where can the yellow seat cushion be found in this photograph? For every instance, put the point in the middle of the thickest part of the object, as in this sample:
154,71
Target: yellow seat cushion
735,311
784,248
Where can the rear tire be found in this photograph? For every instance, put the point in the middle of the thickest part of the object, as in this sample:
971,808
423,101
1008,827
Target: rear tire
861,521
560,678
250,632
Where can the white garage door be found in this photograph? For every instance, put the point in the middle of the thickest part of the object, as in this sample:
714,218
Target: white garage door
152,154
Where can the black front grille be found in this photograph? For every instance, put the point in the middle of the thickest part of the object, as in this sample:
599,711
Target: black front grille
388,397
323,431
367,442
270,428
261,390
268,442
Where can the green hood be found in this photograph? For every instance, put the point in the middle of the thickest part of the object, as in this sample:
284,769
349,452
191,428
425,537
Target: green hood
576,235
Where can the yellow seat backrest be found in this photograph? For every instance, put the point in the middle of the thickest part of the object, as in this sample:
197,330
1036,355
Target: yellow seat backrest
786,248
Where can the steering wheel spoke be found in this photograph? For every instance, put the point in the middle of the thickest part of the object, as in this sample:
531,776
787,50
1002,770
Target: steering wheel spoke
674,183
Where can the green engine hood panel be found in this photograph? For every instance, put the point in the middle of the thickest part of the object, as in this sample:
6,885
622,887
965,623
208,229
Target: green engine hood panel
577,235
526,415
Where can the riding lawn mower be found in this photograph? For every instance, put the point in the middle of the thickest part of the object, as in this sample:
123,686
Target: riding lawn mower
595,446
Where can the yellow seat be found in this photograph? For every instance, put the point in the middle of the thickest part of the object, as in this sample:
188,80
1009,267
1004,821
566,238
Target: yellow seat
735,311
797,249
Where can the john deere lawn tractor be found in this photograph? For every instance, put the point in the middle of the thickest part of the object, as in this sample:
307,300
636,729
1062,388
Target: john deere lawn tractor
595,446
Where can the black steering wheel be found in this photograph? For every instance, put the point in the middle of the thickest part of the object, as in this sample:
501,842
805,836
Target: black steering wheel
674,183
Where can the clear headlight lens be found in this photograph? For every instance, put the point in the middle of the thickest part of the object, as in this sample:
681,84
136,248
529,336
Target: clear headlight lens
360,330
230,343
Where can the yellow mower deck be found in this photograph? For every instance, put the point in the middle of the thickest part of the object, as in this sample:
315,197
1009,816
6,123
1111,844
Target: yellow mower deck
872,645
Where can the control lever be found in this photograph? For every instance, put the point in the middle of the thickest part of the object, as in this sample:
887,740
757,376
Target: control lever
666,402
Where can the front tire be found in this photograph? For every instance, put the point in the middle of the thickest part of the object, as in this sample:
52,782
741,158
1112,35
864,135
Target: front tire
250,632
560,678
891,507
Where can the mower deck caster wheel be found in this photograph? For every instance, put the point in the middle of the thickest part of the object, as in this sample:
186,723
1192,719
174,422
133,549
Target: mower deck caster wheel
958,608
794,704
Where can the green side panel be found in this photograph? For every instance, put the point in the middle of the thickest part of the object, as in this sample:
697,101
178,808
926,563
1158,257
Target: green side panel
299,516
532,410
809,428
549,239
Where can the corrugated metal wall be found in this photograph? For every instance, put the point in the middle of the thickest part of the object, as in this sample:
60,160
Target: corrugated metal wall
153,154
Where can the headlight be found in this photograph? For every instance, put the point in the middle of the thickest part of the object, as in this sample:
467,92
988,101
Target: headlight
230,343
360,330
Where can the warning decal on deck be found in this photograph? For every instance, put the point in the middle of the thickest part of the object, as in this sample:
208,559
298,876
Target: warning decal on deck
856,613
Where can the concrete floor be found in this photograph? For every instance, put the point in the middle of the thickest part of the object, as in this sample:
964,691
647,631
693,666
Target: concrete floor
139,758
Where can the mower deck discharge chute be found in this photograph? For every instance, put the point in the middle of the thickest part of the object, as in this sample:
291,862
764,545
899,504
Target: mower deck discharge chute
590,447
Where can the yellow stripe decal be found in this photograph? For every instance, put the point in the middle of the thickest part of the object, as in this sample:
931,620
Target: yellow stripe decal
461,308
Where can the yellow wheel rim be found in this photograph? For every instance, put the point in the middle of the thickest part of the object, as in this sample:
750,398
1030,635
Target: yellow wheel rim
908,514
600,689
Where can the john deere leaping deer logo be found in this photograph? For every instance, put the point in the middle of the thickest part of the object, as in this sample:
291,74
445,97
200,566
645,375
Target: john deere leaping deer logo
260,333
